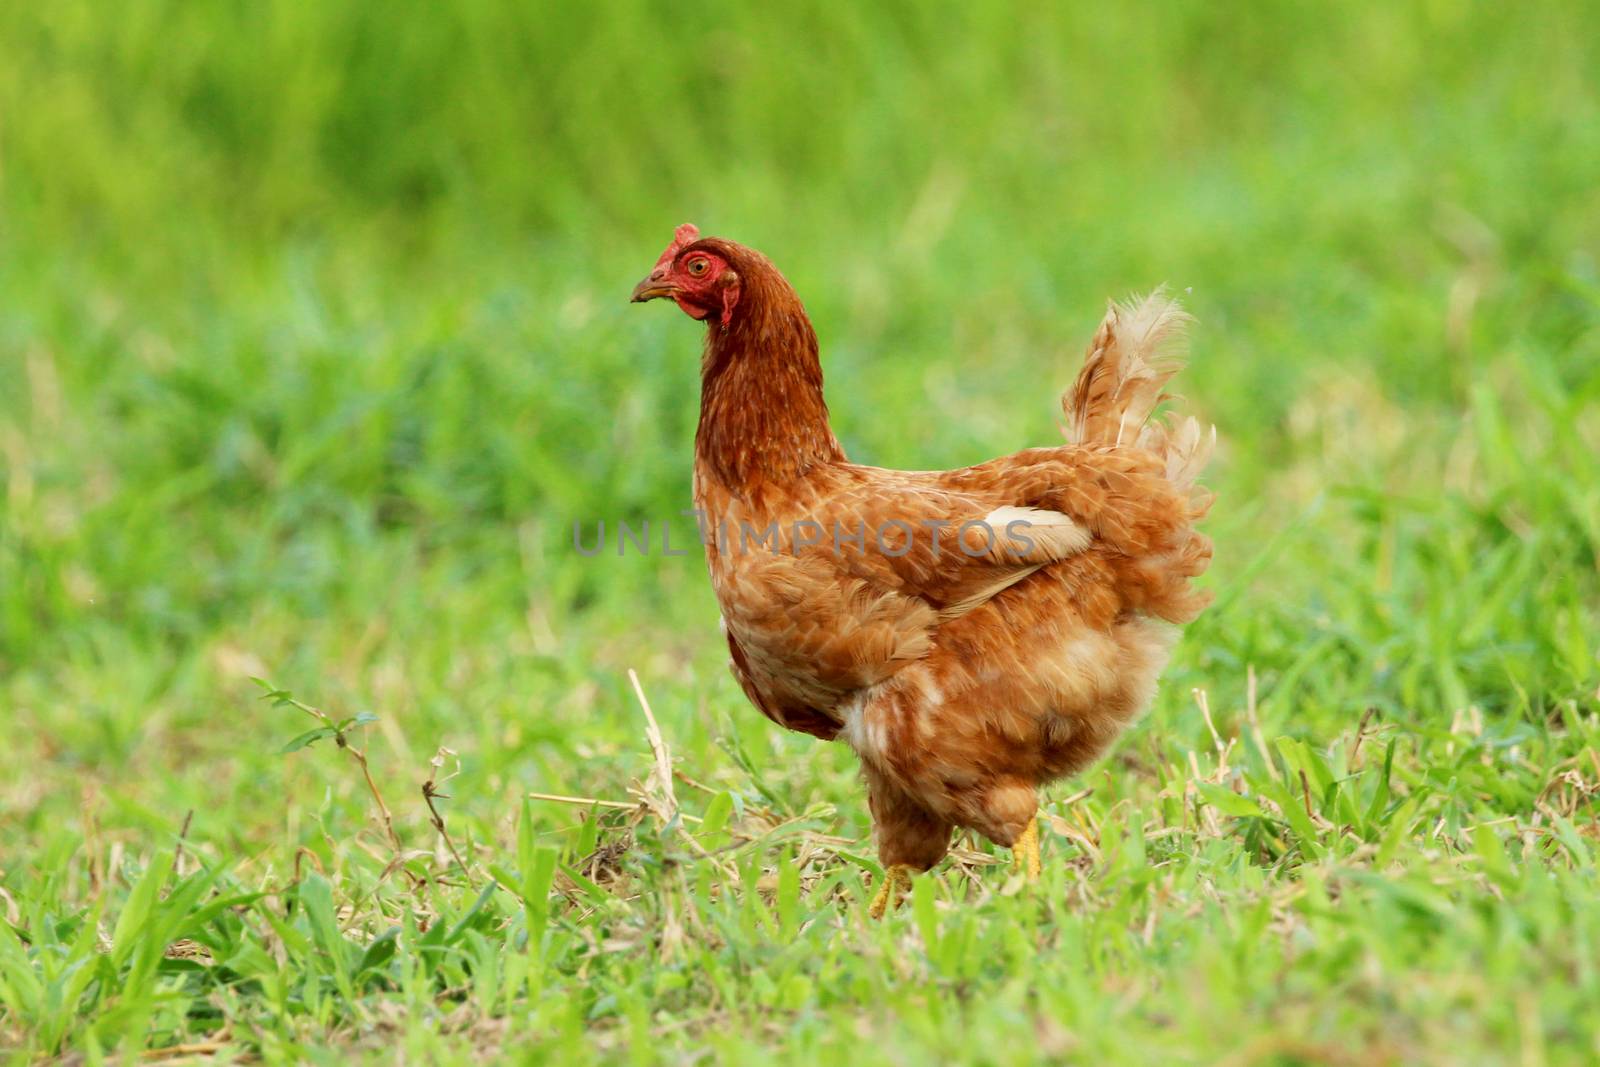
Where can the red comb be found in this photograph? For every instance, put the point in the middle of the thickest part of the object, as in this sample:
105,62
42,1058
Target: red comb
682,237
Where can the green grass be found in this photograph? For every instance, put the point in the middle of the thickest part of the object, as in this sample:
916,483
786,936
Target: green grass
314,343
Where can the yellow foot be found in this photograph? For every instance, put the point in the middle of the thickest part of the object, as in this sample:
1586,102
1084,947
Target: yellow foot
896,879
1025,852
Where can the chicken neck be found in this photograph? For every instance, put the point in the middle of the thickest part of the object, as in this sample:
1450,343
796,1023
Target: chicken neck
762,415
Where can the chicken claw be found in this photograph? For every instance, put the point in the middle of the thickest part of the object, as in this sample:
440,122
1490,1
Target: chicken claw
1025,853
896,880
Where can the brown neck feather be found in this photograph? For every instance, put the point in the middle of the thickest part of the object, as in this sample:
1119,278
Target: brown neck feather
762,416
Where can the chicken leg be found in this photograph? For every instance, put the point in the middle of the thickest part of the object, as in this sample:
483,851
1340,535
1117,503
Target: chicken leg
910,838
1025,853
896,880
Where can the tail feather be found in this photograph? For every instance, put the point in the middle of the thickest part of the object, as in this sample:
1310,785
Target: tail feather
1112,405
1135,353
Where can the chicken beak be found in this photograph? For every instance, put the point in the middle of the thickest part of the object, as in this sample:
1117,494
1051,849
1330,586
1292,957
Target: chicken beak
652,287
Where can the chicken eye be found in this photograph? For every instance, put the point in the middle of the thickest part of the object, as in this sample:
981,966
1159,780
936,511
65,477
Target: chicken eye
698,267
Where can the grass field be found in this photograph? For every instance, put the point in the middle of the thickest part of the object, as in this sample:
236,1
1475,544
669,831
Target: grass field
314,344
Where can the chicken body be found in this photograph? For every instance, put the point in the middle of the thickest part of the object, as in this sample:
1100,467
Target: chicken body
972,634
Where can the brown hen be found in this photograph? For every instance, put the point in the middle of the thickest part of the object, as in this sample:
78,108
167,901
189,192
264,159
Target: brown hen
972,634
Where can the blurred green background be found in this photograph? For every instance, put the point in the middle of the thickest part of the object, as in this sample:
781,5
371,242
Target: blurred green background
291,286
314,343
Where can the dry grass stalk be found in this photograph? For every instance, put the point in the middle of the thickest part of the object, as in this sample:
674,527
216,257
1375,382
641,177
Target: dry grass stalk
657,793
430,793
